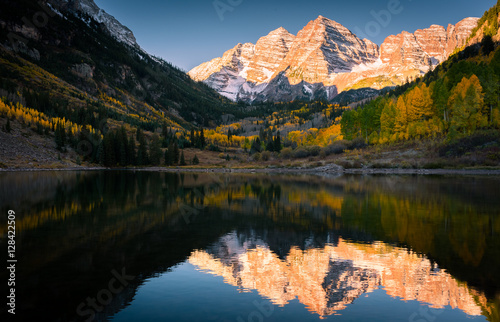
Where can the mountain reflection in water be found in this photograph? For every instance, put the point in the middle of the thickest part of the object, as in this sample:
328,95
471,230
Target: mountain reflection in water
324,243
327,279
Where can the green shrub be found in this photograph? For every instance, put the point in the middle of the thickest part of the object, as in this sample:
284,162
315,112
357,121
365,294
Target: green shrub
301,152
213,148
314,150
286,153
460,147
377,165
434,165
358,143
350,164
265,156
336,147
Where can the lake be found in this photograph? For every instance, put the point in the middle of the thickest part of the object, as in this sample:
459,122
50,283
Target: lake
148,246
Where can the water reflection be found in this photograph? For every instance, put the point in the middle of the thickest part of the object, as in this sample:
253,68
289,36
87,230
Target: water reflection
323,241
328,279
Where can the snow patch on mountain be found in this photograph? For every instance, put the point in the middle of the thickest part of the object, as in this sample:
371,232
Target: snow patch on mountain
324,59
114,27
365,67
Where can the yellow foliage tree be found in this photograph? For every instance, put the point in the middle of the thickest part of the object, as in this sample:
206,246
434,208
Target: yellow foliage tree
387,122
419,103
401,121
495,118
466,104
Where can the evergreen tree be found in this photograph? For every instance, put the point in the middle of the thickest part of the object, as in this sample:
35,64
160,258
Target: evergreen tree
109,157
131,157
270,146
142,153
60,136
195,160
166,135
262,134
487,45
138,135
8,128
84,149
122,143
202,139
192,137
255,147
176,153
155,150
100,153
164,130
183,161
277,142
72,139
170,155
168,160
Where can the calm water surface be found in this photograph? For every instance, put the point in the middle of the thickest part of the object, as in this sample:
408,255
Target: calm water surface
146,246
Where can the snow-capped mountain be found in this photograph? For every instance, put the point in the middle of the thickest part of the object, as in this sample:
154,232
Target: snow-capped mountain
324,59
434,43
114,27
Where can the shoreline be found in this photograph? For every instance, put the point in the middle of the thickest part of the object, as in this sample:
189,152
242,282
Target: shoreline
328,169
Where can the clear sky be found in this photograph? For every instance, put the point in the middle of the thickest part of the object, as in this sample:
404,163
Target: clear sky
189,32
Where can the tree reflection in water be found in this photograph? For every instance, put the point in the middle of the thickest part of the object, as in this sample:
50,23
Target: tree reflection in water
324,241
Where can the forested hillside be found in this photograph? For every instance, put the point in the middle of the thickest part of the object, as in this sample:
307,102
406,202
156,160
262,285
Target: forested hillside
457,99
74,92
63,76
75,48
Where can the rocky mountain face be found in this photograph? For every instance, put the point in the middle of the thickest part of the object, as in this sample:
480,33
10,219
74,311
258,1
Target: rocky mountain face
426,46
325,47
115,28
324,59
90,50
269,52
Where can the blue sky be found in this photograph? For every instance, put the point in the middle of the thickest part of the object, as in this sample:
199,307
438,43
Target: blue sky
189,32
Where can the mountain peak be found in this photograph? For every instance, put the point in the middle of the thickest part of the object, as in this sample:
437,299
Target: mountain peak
325,21
320,20
326,58
115,28
279,31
